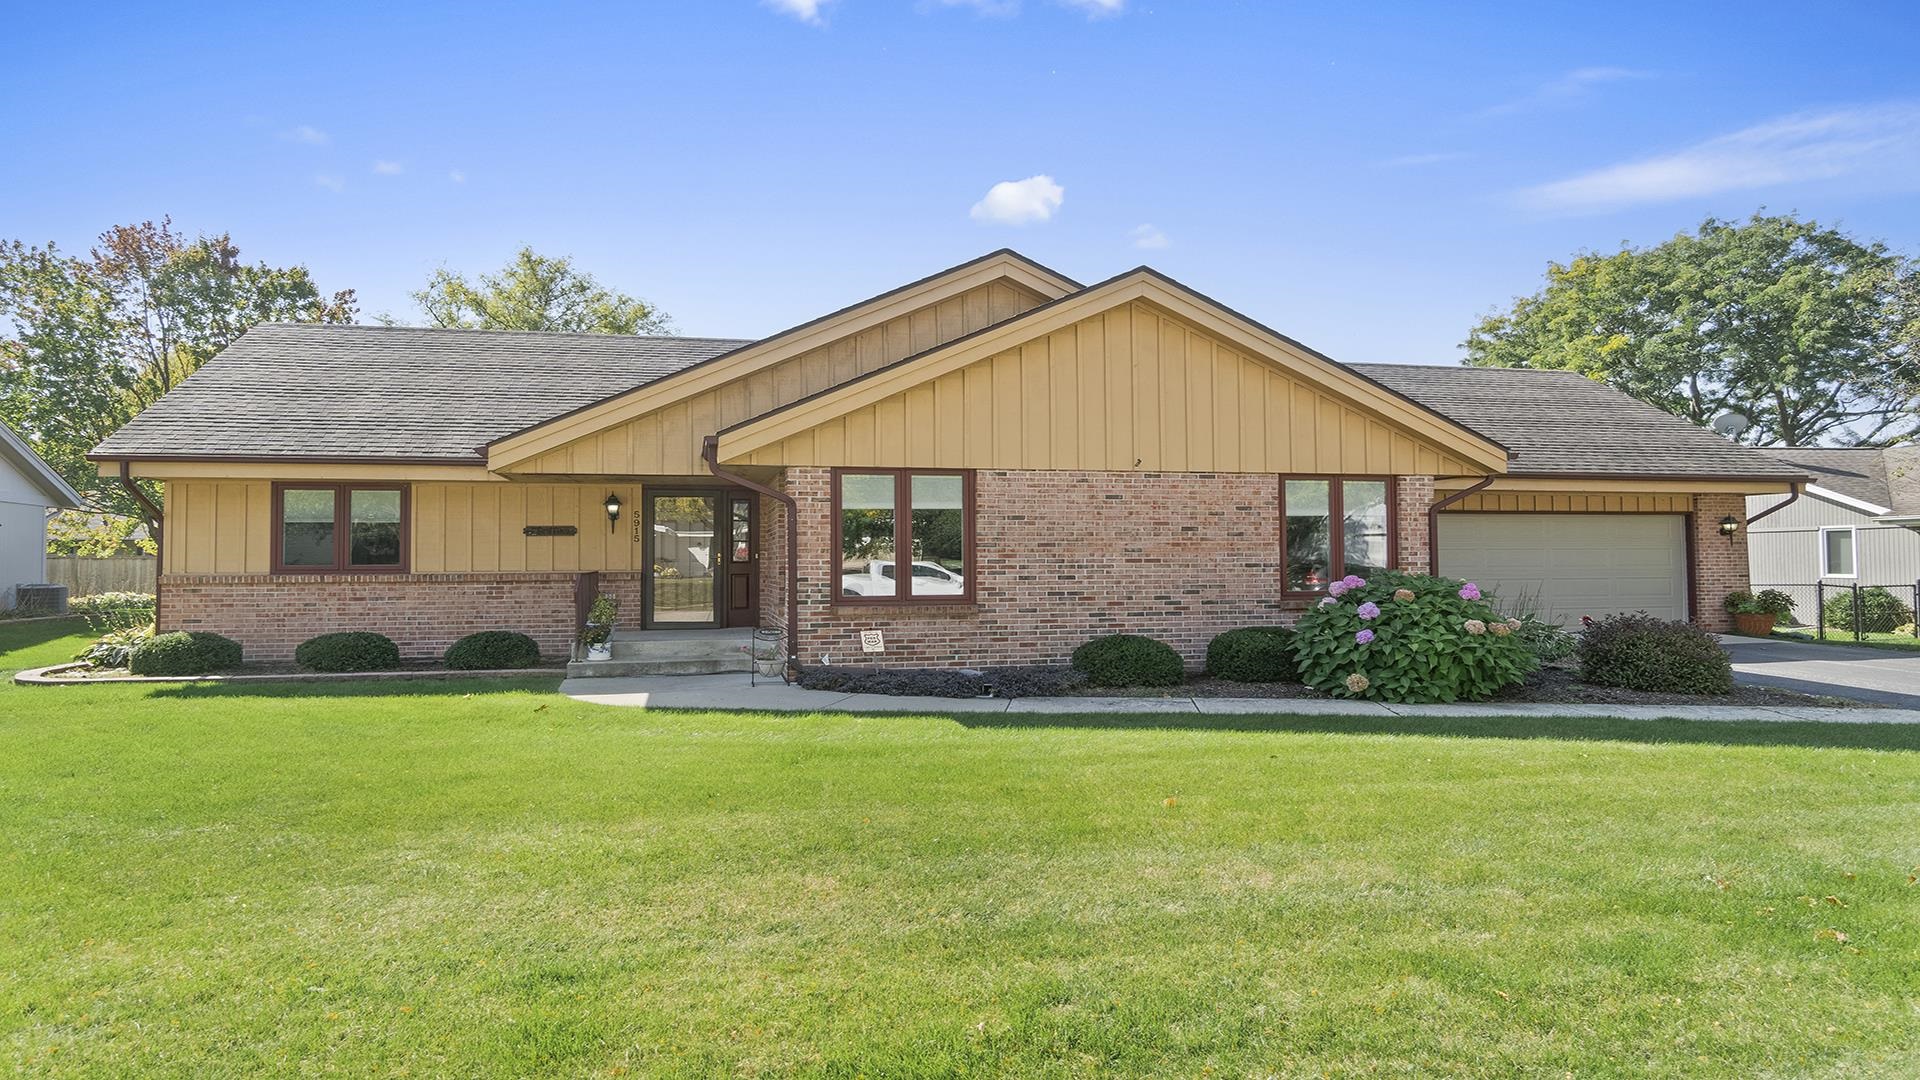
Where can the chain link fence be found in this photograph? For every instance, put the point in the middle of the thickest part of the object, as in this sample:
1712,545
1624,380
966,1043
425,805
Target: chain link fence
1851,612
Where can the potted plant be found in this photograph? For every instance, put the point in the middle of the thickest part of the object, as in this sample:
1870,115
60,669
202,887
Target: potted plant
1755,615
597,635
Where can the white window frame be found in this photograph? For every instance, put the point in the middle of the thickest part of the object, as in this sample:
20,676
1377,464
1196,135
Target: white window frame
1853,545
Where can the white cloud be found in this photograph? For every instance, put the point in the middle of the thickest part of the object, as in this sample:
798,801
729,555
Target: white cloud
388,168
1020,202
807,11
457,176
312,136
1572,86
1414,161
330,182
1149,238
1875,143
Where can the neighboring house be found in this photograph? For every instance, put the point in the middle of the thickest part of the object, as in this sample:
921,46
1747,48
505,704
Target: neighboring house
1854,524
1058,460
29,489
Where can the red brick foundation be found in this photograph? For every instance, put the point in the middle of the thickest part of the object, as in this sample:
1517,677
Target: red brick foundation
1062,557
423,613
1719,562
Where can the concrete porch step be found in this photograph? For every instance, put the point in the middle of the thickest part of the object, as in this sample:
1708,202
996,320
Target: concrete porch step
671,652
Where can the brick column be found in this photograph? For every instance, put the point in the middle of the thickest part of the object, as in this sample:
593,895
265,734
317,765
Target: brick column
1719,562
1412,496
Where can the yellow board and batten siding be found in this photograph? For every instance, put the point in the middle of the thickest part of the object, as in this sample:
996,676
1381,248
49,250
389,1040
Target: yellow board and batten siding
226,527
1528,502
666,442
1132,387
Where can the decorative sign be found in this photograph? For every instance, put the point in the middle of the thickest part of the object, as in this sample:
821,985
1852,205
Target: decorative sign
872,641
550,530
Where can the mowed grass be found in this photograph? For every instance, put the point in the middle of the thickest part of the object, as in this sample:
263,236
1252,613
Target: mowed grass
486,879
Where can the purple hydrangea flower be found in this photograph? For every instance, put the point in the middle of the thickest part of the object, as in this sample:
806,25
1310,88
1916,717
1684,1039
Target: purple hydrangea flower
1337,588
1369,610
1470,592
1363,637
1354,581
1325,600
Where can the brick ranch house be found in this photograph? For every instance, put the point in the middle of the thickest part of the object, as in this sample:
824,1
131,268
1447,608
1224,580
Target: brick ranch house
990,465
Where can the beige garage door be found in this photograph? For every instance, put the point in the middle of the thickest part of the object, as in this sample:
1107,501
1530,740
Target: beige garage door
1576,564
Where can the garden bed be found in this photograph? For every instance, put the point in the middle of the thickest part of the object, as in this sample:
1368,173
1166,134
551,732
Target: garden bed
76,674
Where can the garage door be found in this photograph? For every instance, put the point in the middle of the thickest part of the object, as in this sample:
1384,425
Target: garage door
1576,564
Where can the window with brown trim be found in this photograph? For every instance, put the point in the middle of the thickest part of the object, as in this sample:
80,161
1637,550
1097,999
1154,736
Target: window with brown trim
1333,526
920,517
358,528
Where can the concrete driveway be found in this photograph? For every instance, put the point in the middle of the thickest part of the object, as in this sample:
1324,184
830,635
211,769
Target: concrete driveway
1881,675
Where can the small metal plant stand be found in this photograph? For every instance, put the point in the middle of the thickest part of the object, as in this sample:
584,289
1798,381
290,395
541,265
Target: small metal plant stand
769,659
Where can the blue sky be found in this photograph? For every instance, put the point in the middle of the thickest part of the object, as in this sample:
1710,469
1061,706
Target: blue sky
1370,181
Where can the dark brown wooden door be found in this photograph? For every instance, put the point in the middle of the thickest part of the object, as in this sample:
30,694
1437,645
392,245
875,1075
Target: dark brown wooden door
740,589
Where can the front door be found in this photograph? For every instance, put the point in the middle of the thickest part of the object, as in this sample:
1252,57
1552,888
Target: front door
700,558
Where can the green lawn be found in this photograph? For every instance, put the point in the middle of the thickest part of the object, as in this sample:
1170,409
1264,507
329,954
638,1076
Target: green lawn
1845,637
487,879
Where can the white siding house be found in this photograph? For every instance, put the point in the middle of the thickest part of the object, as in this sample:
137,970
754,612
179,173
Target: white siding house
29,489
1854,525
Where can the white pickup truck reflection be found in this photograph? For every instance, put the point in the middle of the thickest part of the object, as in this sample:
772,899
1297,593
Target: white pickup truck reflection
876,579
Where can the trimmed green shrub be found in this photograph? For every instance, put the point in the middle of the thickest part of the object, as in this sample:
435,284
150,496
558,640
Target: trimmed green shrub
492,649
1644,652
1409,637
1252,654
352,650
1129,660
181,653
1768,602
1880,611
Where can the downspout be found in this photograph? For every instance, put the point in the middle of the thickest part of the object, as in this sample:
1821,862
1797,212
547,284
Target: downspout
1433,521
1793,495
710,453
159,538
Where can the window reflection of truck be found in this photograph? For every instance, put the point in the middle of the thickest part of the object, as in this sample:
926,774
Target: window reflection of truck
876,578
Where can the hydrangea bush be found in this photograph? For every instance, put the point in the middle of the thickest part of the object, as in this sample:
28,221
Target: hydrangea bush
1409,637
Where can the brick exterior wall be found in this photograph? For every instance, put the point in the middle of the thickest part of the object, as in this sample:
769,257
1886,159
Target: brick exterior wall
1061,557
423,613
1719,562
1412,495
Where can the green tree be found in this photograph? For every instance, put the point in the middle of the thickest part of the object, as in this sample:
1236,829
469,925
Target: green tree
86,343
1800,328
535,292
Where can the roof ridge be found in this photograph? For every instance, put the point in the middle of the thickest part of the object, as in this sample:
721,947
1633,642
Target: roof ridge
279,324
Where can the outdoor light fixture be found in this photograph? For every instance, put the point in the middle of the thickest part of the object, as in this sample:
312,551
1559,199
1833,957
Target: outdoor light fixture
613,512
1729,525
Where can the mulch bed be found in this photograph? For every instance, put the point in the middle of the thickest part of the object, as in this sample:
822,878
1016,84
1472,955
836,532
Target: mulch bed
1556,684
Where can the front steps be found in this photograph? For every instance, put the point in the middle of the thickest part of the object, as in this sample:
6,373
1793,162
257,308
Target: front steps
671,652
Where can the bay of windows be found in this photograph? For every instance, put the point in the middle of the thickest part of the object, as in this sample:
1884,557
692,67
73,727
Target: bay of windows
887,518
1333,527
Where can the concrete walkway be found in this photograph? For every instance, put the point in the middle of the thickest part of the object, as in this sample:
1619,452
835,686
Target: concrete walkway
733,692
1882,676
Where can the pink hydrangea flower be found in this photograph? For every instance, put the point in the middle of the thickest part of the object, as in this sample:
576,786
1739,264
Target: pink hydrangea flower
1354,581
1475,627
1368,610
1325,600
1363,637
1515,624
1470,591
1337,588
1500,629
1403,594
1357,682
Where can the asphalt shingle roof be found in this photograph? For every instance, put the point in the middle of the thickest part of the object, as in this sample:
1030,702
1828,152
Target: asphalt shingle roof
1562,422
1888,477
392,392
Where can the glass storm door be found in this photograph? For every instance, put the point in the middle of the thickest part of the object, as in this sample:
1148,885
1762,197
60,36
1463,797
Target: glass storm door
686,542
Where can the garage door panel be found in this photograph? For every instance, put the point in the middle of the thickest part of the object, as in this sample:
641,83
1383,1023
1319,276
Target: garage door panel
1572,564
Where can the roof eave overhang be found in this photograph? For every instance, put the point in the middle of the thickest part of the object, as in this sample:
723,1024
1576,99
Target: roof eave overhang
1848,501
1005,264
1139,284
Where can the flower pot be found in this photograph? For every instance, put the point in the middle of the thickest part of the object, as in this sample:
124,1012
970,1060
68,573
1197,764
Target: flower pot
600,650
1753,623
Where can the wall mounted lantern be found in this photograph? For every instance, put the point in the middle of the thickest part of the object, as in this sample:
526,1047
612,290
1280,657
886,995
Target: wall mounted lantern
613,512
1729,525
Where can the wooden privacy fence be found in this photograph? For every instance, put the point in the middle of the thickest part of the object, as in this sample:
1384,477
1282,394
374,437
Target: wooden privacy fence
87,577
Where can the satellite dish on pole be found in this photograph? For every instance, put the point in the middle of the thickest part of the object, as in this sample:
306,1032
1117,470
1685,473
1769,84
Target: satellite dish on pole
1731,424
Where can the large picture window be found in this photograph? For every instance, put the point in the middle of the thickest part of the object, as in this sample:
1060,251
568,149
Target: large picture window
905,535
339,527
1332,527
